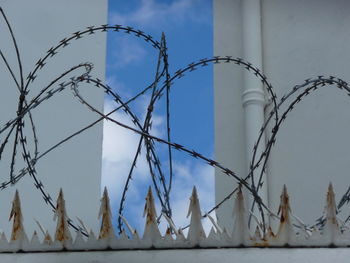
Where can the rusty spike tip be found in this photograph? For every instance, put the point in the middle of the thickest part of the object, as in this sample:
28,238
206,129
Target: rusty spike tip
330,195
47,236
105,191
240,188
331,205
194,191
168,231
284,191
270,232
330,188
105,196
104,202
151,227
240,192
106,229
284,207
60,195
15,203
16,197
284,196
16,215
149,199
34,236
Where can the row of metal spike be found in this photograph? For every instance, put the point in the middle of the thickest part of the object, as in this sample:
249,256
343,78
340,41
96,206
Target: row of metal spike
286,235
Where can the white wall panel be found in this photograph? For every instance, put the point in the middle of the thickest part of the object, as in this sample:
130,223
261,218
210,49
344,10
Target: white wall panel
76,165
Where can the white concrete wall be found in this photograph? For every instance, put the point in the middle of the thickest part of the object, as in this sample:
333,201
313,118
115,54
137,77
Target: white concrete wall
76,166
305,39
300,39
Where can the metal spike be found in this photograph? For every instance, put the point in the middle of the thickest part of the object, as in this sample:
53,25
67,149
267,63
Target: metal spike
18,233
35,240
3,238
62,232
91,235
47,238
331,228
171,224
106,230
130,228
168,237
285,231
82,225
79,242
93,244
215,224
212,234
257,234
270,234
240,233
40,227
123,235
196,232
180,238
151,227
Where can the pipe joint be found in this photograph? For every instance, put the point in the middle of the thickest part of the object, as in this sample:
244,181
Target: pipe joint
253,96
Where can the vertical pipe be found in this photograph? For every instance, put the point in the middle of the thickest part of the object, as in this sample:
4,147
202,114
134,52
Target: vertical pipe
253,96
230,143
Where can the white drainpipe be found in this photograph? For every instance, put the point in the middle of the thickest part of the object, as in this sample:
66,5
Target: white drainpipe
253,95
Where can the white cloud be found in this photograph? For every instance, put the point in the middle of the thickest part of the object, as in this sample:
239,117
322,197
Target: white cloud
115,83
119,146
119,149
152,13
187,175
125,52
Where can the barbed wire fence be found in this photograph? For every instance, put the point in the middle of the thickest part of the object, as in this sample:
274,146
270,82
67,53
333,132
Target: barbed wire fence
162,84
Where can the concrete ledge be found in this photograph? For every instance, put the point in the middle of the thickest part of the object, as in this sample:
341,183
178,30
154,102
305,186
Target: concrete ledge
260,255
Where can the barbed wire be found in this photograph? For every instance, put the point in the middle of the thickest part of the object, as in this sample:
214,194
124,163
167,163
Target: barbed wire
163,83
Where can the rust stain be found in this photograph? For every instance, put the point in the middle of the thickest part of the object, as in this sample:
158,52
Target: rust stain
105,212
331,206
270,232
60,231
47,238
60,213
151,226
149,208
284,207
61,223
263,243
16,215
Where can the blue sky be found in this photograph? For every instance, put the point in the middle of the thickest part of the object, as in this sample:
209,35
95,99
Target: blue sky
131,65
